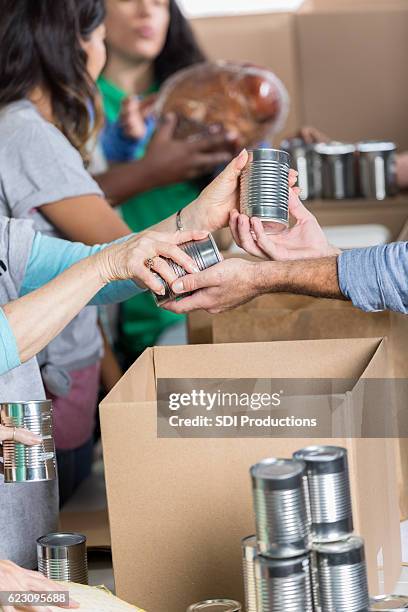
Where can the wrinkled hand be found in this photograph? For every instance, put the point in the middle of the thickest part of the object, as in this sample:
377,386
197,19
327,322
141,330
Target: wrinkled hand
304,240
222,287
174,161
15,578
211,210
128,259
402,170
21,435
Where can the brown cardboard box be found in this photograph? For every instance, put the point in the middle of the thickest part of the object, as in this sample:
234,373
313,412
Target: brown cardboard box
352,62
178,507
267,40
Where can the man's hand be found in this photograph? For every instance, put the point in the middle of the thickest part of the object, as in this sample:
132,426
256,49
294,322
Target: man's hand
305,239
222,287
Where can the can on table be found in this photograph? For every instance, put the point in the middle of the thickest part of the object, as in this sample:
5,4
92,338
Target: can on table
62,556
265,188
340,576
377,169
282,518
29,463
302,156
389,602
204,252
249,552
335,170
216,605
283,584
329,492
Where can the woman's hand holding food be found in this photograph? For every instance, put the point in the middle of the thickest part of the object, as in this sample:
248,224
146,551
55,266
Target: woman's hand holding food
141,258
15,578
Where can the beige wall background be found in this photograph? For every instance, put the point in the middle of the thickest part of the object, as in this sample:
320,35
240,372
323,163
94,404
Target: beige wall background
344,62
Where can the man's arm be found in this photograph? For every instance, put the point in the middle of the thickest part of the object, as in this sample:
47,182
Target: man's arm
373,279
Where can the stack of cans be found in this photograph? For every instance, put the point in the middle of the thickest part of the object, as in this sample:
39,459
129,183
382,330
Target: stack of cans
304,557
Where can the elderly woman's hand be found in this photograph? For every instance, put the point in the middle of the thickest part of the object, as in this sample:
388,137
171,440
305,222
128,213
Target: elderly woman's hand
212,208
14,578
19,435
141,256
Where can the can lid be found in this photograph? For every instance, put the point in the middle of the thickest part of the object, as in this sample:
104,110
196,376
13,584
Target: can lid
278,474
373,146
264,154
58,540
389,602
323,459
216,605
334,148
352,543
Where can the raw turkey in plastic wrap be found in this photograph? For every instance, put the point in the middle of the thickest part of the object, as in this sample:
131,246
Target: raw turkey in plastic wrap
249,103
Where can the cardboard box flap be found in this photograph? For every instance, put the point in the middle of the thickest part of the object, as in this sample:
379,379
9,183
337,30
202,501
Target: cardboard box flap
137,384
331,358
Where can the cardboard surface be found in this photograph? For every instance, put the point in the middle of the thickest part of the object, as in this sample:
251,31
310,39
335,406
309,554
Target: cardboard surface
179,507
267,40
352,63
95,525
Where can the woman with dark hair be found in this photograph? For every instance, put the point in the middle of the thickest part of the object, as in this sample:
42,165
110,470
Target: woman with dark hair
148,41
51,54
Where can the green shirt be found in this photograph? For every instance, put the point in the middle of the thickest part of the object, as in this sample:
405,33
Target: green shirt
141,320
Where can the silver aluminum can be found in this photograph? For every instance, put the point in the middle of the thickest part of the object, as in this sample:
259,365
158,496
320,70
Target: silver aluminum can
283,585
340,574
265,188
62,556
302,156
397,603
216,605
249,552
329,492
29,463
204,252
282,518
335,170
377,169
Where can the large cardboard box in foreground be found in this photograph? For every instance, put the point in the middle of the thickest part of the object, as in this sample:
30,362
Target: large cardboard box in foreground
179,507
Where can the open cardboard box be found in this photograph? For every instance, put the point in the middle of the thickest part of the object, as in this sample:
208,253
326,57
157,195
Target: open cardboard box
179,507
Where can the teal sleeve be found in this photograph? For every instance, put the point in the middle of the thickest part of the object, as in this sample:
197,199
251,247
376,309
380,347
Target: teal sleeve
9,356
52,256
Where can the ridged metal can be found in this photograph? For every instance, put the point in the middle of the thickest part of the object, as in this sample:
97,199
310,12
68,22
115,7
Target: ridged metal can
29,463
339,570
397,603
204,252
216,605
302,156
283,585
249,552
335,170
265,188
282,519
62,556
329,492
377,169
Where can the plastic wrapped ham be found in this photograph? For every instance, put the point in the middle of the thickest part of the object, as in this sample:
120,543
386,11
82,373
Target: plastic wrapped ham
248,102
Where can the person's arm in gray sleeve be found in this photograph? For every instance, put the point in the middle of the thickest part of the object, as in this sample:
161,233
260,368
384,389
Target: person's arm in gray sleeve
376,278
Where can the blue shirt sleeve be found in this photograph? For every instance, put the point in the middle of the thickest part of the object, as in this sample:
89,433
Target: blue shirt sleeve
117,147
9,355
376,278
51,256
